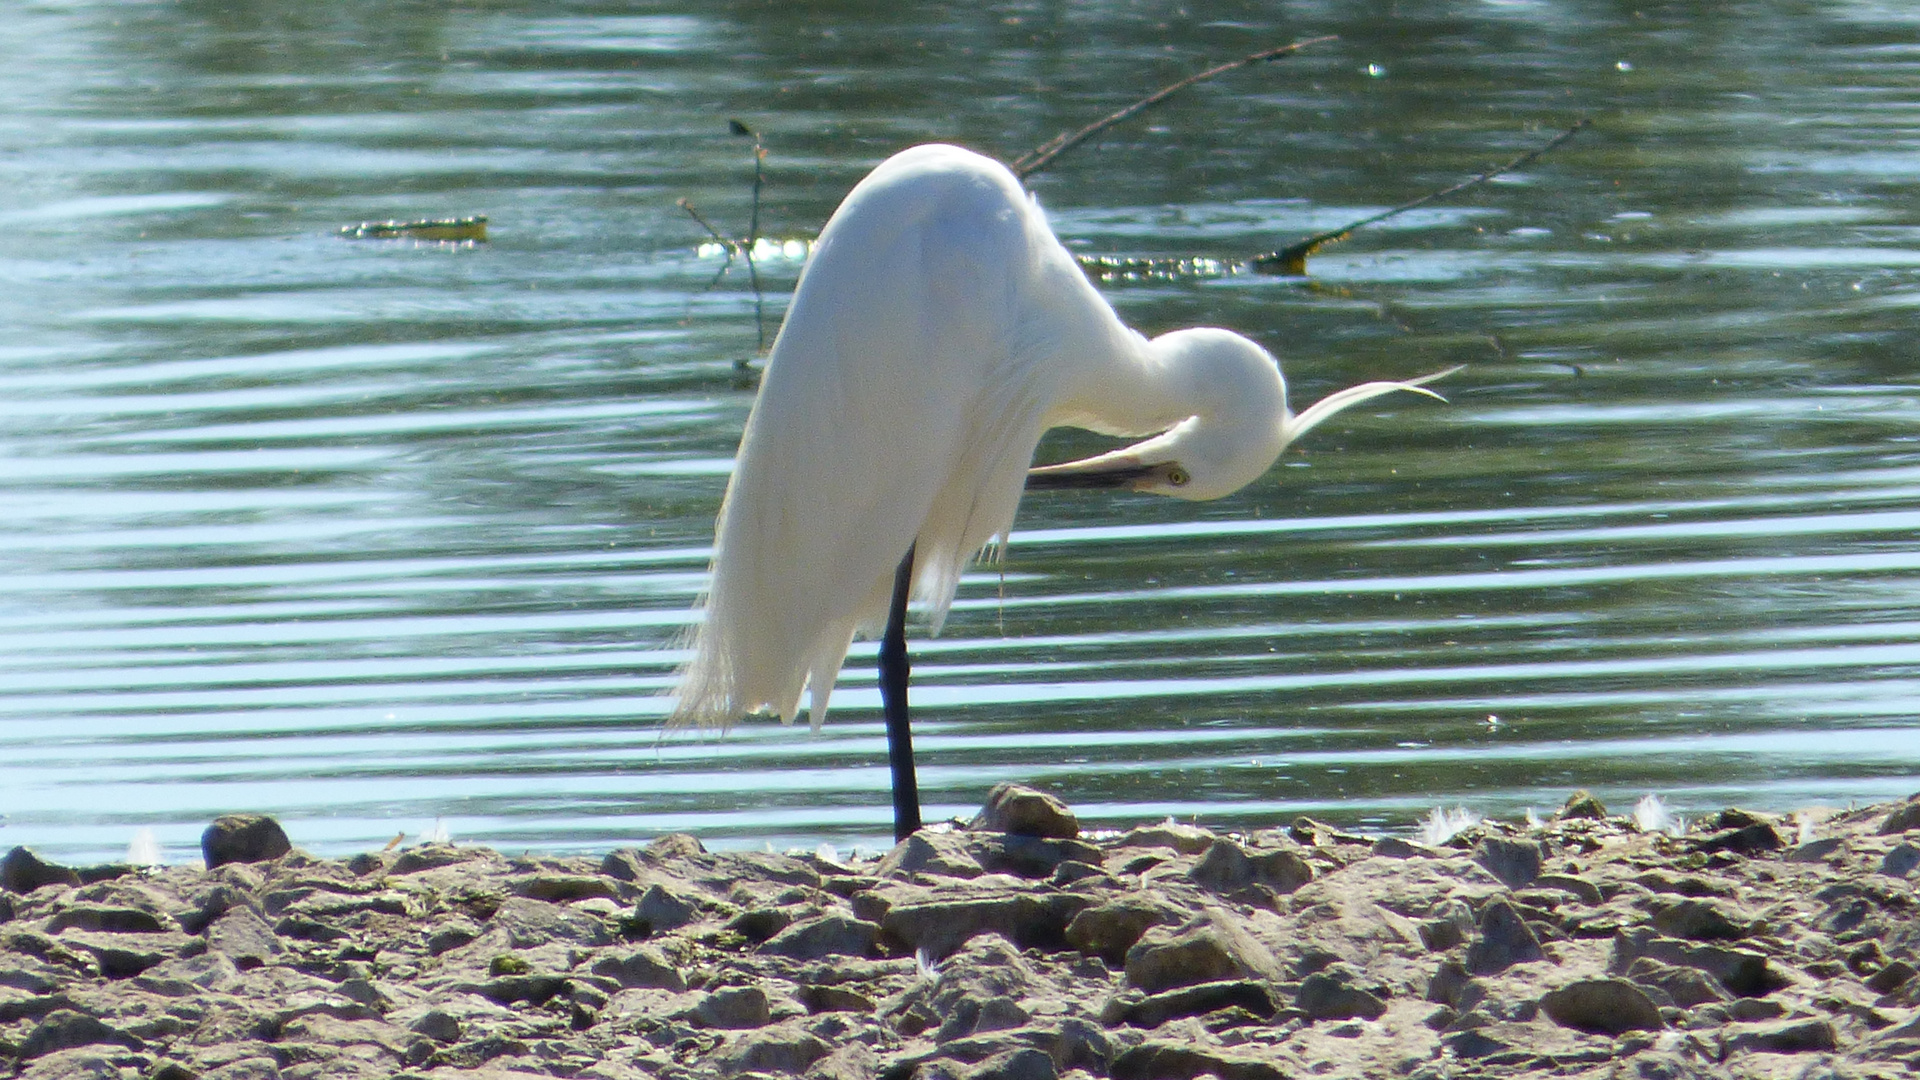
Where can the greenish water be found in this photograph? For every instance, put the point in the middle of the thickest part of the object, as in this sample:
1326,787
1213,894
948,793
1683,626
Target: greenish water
369,534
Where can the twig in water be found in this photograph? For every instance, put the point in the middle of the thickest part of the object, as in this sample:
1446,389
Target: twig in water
1292,259
753,233
1043,155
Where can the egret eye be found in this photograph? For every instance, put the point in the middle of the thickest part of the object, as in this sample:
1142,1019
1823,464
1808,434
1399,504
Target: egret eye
1177,476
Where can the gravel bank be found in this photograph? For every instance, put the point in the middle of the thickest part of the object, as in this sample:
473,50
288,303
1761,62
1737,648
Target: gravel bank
1018,949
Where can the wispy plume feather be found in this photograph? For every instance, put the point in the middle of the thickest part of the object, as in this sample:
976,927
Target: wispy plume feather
1443,825
1652,816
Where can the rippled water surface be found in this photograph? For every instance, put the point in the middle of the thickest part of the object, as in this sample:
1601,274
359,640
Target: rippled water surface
372,533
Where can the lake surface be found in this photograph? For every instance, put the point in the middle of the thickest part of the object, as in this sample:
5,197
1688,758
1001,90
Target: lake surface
374,535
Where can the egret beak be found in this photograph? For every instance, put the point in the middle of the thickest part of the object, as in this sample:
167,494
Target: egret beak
1115,469
1104,471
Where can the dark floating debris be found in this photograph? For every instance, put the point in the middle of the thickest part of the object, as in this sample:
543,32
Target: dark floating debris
469,229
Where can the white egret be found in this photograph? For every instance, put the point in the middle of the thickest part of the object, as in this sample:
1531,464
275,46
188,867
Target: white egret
937,331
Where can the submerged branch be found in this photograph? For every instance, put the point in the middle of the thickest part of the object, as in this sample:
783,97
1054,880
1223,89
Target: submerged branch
1043,155
1292,259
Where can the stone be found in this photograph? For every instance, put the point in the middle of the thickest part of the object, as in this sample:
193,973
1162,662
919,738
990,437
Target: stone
64,1029
643,966
942,853
1011,808
853,1061
781,1050
1903,817
661,909
1029,919
1209,948
1325,996
733,1007
1812,1035
1901,861
1700,920
22,872
1515,862
1152,1010
827,935
1504,939
671,846
80,1063
1024,1063
1167,1061
1032,856
243,838
245,938
1582,805
1744,840
1185,839
1108,930
1688,987
1226,867
1602,1007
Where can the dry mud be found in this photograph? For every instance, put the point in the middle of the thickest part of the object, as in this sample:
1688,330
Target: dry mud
1016,948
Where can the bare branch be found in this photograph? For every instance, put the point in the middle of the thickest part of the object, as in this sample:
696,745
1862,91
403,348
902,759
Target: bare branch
1292,259
1043,155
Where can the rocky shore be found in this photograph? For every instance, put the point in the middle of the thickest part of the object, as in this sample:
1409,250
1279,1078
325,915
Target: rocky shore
1017,948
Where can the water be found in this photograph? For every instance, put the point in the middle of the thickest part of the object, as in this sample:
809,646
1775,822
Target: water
371,535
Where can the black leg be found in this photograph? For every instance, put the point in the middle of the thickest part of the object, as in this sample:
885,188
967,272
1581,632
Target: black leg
893,697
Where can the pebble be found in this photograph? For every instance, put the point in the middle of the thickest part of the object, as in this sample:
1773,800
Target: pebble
1582,948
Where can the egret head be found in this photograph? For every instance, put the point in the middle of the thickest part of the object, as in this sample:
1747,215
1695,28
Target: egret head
1239,425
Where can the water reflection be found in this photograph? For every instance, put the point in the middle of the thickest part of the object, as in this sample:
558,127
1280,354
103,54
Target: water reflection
369,534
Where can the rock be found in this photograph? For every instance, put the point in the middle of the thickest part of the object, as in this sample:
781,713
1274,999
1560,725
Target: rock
431,857
1168,1061
562,888
643,966
1581,805
1891,977
1504,939
1025,1063
1700,920
1743,972
1515,862
243,838
245,938
1032,856
853,1061
942,853
81,1063
1029,919
1788,1037
733,1007
1152,1010
1185,839
1903,817
22,872
661,909
1602,1007
1011,808
828,935
521,923
438,1025
1688,987
1110,929
672,846
64,1029
1582,889
1324,996
1226,867
783,1050
1745,840
1209,948
1900,861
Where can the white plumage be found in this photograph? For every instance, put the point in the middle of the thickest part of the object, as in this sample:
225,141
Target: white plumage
938,330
